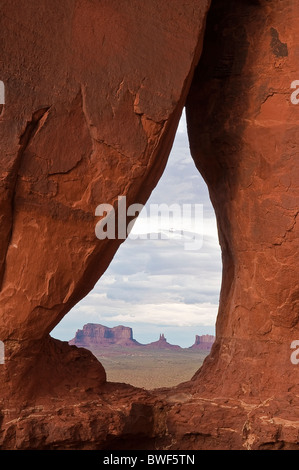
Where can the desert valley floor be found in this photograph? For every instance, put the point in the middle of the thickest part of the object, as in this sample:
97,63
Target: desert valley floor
149,368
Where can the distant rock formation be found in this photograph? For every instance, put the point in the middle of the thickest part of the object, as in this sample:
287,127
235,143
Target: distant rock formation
162,344
95,335
204,342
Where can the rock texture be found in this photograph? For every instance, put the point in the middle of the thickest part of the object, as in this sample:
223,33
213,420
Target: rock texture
203,342
92,104
94,335
243,132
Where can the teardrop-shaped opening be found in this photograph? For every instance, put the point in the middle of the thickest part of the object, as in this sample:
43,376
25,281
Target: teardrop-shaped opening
150,319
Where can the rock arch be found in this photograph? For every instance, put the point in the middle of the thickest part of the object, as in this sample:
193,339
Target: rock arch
97,119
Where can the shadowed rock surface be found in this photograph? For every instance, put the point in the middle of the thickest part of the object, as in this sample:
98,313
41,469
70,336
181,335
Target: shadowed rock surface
243,132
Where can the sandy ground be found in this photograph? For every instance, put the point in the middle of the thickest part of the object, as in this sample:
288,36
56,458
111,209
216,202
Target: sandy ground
149,368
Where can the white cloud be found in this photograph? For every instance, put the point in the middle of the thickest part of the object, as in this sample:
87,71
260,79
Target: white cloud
182,128
101,308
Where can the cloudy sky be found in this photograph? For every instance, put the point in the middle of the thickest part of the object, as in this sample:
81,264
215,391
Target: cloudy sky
167,283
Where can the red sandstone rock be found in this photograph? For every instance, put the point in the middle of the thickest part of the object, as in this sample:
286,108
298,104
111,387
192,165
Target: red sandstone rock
80,77
92,106
243,131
